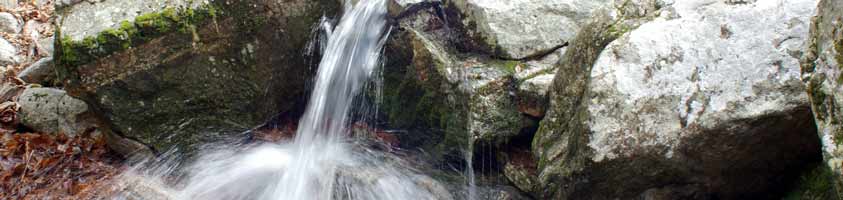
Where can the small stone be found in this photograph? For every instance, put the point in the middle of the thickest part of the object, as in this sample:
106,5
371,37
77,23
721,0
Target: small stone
9,89
8,23
49,110
38,109
38,72
62,148
45,46
8,53
32,30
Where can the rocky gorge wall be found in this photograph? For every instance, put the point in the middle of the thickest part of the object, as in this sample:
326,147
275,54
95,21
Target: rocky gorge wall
609,99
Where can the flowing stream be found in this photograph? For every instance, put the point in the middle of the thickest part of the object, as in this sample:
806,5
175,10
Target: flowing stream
322,162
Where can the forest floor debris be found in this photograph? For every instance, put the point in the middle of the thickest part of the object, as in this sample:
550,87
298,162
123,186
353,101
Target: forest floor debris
44,166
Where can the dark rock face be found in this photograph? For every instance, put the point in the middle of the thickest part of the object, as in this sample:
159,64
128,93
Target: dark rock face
443,95
201,82
418,96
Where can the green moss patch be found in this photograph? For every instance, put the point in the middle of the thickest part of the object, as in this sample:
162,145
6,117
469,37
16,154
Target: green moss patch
510,66
618,29
144,28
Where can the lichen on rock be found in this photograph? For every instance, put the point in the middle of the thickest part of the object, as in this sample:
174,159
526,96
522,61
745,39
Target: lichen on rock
631,120
822,74
523,28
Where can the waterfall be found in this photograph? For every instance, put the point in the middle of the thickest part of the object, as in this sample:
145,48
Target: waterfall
321,162
352,53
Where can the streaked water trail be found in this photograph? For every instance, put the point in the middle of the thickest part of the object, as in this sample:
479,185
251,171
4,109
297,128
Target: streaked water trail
321,162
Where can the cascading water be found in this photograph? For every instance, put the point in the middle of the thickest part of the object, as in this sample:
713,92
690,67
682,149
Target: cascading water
321,162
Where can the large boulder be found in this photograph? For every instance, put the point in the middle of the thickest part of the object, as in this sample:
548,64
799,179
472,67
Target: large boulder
171,74
704,101
428,95
821,70
445,98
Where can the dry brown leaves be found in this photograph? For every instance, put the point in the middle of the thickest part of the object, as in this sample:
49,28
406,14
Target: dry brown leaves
361,129
27,45
9,116
285,132
10,89
42,166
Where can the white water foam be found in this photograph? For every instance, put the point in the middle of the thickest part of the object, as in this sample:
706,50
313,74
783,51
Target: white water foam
321,162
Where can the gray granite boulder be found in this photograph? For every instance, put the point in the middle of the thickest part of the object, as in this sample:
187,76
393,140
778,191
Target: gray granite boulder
702,100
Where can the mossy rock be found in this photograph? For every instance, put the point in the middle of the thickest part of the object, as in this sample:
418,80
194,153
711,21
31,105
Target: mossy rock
445,100
565,121
418,99
183,76
135,32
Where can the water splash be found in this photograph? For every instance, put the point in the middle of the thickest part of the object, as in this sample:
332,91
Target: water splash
321,162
